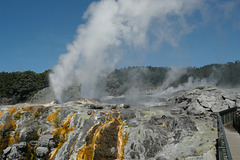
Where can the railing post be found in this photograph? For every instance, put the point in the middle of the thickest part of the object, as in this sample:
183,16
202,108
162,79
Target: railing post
236,121
223,117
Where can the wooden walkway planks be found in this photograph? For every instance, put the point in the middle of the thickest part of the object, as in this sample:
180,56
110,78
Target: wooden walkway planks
233,138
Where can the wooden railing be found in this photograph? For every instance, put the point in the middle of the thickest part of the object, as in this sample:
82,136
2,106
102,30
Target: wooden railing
223,117
236,121
223,151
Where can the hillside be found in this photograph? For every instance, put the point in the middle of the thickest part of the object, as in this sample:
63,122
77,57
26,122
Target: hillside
21,86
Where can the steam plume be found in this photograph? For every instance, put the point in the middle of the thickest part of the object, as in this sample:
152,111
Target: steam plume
172,75
112,24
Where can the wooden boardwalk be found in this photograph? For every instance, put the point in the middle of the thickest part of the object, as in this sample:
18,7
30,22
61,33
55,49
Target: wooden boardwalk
233,138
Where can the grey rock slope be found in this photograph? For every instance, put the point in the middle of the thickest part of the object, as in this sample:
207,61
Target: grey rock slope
44,95
185,128
205,99
47,94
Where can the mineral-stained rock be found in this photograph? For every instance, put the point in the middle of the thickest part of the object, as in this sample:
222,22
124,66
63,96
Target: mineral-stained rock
72,130
22,146
161,158
134,155
92,106
7,151
205,99
46,141
15,156
33,143
128,114
196,109
176,111
29,133
124,106
43,95
42,152
187,124
167,122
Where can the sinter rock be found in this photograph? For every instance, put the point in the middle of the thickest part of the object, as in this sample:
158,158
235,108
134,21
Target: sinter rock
203,100
186,127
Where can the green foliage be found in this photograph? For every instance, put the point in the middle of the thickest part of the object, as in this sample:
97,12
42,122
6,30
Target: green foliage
20,86
121,80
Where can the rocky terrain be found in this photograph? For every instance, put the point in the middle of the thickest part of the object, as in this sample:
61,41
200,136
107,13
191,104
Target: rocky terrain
182,126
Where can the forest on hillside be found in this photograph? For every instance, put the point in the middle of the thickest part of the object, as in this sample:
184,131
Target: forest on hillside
222,75
21,86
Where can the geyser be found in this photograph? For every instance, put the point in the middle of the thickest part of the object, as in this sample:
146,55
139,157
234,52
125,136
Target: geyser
110,25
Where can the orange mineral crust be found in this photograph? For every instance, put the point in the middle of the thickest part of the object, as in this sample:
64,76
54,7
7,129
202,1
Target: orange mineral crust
105,140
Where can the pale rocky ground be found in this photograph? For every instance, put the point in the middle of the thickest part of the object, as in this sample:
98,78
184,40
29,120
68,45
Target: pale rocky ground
179,127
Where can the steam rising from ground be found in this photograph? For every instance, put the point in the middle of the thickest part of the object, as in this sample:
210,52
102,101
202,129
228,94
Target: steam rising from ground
172,75
135,95
112,24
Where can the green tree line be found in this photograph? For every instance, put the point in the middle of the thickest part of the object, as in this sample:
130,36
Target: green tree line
119,81
21,86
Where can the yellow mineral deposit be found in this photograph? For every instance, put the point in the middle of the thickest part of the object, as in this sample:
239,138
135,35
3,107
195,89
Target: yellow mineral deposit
54,118
30,154
39,132
8,139
15,114
1,113
87,152
35,110
165,125
122,140
13,139
92,113
61,131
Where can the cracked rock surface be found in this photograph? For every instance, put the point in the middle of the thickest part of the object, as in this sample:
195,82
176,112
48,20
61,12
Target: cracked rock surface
204,100
185,128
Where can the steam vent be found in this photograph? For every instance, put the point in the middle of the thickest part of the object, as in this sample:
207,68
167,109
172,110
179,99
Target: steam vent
180,127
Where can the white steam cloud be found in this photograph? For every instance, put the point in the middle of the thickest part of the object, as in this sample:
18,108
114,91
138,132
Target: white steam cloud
172,75
112,24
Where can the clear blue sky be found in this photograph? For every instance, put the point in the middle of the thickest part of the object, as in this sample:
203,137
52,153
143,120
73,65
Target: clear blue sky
33,33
